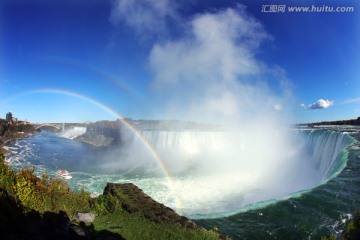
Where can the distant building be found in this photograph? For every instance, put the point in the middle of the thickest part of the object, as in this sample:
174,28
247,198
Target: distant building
9,116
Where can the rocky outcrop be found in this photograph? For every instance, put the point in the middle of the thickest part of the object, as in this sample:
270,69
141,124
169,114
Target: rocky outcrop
84,217
136,201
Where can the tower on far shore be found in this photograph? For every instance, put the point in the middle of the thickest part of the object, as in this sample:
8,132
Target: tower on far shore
9,116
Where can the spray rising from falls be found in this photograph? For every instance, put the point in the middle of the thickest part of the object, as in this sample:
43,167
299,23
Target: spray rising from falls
216,173
73,132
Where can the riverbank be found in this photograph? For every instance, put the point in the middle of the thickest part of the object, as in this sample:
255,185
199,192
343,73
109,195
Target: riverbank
12,131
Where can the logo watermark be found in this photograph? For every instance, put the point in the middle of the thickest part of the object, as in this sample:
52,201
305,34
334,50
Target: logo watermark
305,9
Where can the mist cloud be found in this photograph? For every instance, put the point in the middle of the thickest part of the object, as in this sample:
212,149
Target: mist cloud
319,104
210,48
210,70
213,70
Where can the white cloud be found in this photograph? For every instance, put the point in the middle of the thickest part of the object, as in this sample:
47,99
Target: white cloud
320,104
145,16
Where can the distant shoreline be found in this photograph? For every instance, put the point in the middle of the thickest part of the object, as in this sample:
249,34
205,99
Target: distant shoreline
352,122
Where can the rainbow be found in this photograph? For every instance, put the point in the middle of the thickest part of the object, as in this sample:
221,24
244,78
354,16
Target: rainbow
137,133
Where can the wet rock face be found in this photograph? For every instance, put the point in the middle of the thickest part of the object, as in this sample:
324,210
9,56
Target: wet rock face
102,133
137,201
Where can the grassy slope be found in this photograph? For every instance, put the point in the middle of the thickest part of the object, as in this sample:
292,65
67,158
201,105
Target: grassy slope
135,226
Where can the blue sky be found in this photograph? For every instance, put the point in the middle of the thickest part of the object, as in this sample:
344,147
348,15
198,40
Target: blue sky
75,61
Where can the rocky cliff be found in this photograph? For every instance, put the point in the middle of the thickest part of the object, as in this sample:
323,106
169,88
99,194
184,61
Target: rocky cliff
102,133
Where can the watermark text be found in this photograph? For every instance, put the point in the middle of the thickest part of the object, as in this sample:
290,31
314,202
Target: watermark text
305,9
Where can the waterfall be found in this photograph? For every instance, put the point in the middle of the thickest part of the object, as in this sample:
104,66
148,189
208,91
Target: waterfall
189,143
321,148
215,172
325,148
